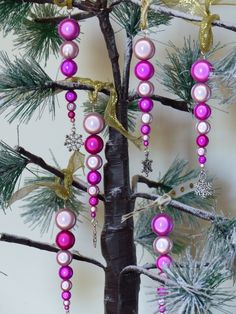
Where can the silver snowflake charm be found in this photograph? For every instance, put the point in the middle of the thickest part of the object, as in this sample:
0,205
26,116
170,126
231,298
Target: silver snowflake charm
147,164
203,188
73,141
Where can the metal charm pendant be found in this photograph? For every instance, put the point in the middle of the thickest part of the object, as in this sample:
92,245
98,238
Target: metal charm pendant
94,224
147,164
73,141
203,188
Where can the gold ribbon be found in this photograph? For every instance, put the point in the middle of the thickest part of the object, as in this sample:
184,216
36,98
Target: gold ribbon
64,3
110,111
144,14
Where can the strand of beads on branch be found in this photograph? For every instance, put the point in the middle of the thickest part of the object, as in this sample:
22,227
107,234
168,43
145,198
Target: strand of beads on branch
201,93
162,225
144,49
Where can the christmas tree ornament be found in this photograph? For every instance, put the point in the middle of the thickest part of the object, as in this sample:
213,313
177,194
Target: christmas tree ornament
94,124
144,50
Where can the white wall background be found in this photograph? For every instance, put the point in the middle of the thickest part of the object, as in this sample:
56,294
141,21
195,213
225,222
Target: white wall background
32,284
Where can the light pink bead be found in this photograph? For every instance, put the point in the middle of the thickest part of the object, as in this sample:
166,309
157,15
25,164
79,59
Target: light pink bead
201,92
144,49
69,50
64,258
203,127
162,245
94,162
65,219
145,89
94,123
93,190
66,285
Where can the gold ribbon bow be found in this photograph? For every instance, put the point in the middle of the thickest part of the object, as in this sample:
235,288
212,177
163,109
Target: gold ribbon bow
64,3
144,14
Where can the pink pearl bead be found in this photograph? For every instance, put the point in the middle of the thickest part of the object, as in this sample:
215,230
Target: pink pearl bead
144,49
69,67
201,92
64,258
202,160
163,261
66,285
71,96
65,219
66,295
162,245
201,151
145,104
93,201
202,111
145,129
203,127
71,106
69,50
94,123
94,177
65,240
162,291
71,114
69,29
72,120
65,272
66,303
93,190
145,89
202,140
144,70
201,70
162,224
93,144
146,118
94,162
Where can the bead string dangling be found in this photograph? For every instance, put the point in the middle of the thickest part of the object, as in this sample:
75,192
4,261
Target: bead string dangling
144,49
69,30
94,124
201,71
162,225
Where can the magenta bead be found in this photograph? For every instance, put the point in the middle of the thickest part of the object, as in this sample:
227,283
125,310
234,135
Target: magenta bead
145,143
162,309
68,29
202,160
144,70
66,307
93,215
65,240
162,291
162,224
71,96
93,201
201,70
65,272
71,114
145,104
202,140
163,261
66,295
93,144
202,111
69,67
94,177
145,129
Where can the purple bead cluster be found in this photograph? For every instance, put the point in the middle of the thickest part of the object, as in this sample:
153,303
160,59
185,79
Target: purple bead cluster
94,124
144,49
69,30
201,93
162,225
65,240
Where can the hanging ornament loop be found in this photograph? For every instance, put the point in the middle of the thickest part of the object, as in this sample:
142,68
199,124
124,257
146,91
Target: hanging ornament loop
144,14
64,3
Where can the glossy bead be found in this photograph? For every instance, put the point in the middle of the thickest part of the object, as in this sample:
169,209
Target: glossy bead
93,201
144,70
162,245
69,67
202,140
93,190
71,96
163,261
162,309
65,240
146,118
201,70
66,295
72,120
202,160
161,302
201,151
71,106
93,123
65,272
69,29
146,137
69,50
94,162
93,214
162,224
65,219
66,308
93,209
145,104
162,291
202,111
144,49
66,285
64,258
93,144
145,129
201,92
145,89
94,177
71,114
146,143
203,127
66,303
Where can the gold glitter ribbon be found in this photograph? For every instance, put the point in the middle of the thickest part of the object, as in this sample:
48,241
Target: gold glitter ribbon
64,3
144,14
110,111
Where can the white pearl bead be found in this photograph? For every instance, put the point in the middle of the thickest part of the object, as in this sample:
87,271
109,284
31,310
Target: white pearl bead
65,219
146,137
162,245
93,209
146,118
201,92
144,49
203,127
64,258
94,123
145,89
201,151
93,190
66,285
66,303
94,162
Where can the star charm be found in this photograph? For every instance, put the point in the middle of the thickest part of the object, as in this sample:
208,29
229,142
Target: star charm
73,141
202,187
147,165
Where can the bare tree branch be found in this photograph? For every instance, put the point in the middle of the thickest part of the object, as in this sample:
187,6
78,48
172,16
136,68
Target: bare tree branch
46,247
151,184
